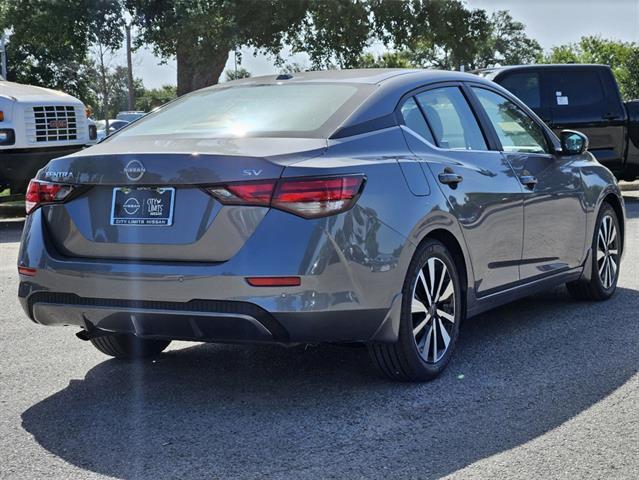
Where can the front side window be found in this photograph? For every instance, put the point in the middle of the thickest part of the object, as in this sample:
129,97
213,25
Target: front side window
451,119
524,86
297,110
517,132
414,119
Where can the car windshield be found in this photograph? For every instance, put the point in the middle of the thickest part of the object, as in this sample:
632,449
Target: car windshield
297,110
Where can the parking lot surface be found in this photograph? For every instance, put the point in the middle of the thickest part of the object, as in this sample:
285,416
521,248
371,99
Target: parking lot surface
543,388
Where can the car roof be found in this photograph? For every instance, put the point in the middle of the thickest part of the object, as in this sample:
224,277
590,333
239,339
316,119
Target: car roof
389,85
370,76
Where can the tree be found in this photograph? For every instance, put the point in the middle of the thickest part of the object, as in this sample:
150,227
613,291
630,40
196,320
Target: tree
200,34
156,97
107,105
237,74
508,43
385,60
50,40
621,57
452,36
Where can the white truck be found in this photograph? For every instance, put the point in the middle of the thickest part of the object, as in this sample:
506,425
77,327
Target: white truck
37,125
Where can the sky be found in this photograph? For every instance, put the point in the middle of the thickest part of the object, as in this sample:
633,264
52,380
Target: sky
550,22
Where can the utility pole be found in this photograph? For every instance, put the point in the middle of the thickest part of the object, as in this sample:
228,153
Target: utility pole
3,56
129,64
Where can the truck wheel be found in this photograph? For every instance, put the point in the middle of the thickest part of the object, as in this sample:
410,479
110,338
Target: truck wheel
129,347
431,314
604,259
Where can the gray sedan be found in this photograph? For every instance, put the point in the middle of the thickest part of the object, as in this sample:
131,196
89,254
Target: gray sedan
376,206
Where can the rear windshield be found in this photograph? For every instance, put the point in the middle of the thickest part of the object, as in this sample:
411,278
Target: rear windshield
288,110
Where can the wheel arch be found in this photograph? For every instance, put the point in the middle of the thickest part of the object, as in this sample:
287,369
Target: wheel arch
461,261
613,200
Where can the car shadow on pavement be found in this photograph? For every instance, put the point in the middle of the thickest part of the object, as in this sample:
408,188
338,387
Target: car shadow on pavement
215,411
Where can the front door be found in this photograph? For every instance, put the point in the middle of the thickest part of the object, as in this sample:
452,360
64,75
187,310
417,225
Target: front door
554,215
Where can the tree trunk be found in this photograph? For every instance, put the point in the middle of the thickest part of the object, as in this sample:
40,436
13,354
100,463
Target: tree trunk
199,66
129,68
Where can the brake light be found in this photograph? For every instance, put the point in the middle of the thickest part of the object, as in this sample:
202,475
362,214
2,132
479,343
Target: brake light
252,193
39,193
308,197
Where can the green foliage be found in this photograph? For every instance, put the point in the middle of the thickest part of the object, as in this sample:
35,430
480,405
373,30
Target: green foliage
293,67
453,36
621,57
385,60
447,35
50,40
201,33
236,75
333,32
156,97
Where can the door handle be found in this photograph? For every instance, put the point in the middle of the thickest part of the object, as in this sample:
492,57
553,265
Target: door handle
450,178
528,181
610,116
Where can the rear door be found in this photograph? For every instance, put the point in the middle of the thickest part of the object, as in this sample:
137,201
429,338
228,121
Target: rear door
481,188
554,216
587,99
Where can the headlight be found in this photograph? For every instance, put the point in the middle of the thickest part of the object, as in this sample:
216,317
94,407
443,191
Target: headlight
7,136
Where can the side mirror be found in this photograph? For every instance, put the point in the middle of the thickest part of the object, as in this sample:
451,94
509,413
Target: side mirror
573,143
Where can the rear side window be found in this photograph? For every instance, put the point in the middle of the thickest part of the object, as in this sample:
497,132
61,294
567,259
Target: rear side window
517,132
524,86
414,120
577,88
451,119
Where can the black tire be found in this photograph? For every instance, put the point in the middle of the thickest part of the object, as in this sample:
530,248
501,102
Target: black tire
598,288
403,360
129,347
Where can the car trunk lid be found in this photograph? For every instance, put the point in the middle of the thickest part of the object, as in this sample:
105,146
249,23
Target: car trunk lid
150,176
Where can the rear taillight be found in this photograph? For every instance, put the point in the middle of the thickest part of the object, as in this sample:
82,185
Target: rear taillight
39,193
308,197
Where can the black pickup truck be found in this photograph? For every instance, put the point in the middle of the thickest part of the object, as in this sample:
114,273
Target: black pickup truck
580,97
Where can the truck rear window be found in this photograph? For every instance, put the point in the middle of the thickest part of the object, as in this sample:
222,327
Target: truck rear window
577,88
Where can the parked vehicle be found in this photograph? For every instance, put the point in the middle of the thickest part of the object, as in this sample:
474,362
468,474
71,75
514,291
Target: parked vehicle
581,97
375,206
36,125
114,126
130,116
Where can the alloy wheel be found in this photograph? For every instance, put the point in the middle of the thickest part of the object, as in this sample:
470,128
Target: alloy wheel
607,252
433,310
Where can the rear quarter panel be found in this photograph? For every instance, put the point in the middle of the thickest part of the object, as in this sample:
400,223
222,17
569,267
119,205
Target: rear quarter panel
390,219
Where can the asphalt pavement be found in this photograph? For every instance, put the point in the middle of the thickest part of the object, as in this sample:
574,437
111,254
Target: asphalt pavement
543,388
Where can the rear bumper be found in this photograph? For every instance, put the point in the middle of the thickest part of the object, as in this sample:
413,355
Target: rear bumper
339,300
200,320
17,167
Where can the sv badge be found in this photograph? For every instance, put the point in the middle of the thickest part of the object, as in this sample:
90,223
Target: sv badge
252,173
